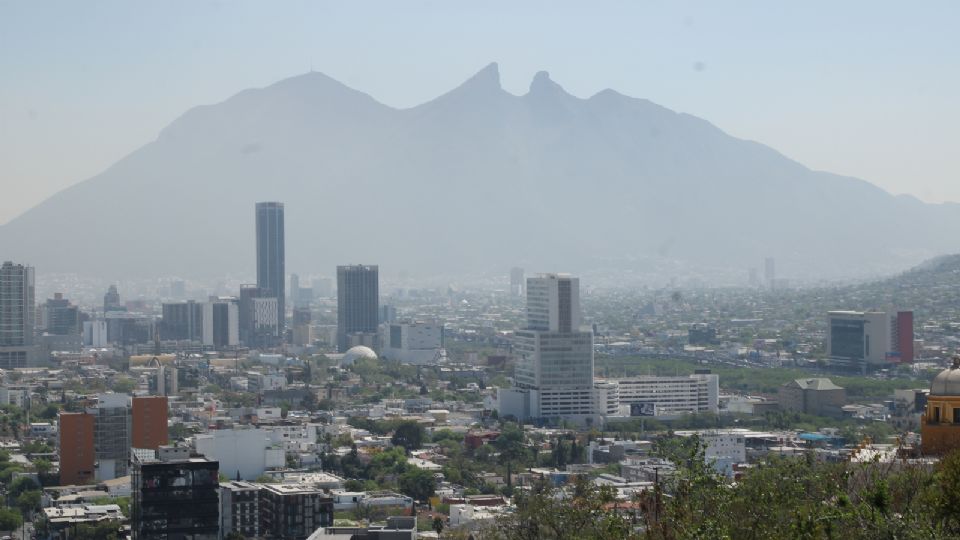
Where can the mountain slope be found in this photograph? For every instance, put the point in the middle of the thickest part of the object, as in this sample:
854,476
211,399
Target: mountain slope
475,179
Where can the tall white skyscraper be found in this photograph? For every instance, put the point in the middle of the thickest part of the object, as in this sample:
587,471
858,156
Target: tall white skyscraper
554,373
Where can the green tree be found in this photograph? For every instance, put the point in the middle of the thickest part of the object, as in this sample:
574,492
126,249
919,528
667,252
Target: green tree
409,435
438,525
9,520
418,483
22,484
29,501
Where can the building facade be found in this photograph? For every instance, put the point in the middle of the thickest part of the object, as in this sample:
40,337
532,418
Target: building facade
182,321
859,339
651,395
413,343
112,424
271,259
817,396
149,422
77,454
175,496
294,511
358,301
240,509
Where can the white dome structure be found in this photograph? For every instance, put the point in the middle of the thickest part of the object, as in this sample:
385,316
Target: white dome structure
947,383
356,353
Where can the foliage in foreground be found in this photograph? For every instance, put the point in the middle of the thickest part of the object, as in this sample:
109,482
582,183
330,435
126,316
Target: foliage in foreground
781,498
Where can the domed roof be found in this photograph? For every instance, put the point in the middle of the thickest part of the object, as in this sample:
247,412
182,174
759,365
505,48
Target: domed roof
947,383
356,353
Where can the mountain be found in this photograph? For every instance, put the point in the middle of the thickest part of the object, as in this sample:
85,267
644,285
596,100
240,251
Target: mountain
476,179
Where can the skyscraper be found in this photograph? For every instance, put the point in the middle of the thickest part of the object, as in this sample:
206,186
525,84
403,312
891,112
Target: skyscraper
111,300
17,315
516,281
554,373
77,455
270,255
60,317
358,304
770,272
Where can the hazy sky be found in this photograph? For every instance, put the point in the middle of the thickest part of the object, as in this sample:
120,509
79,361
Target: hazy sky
867,89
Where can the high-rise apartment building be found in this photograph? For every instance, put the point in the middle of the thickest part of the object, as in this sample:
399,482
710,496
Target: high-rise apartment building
553,378
77,454
17,315
271,274
358,301
148,422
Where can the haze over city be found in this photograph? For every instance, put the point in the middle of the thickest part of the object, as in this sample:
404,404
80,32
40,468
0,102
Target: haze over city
479,271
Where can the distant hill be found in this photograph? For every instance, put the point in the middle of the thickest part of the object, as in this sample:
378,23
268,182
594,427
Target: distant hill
476,179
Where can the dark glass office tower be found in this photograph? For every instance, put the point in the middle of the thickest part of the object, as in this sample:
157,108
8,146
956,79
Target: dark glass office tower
270,255
358,302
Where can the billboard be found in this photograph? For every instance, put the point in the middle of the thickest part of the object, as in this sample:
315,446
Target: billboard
645,408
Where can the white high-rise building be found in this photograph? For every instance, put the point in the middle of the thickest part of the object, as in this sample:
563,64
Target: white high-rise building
554,373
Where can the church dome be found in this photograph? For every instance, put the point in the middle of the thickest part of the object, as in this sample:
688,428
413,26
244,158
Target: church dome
947,383
356,353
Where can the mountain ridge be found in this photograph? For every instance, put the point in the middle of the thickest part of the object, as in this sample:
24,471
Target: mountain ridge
483,178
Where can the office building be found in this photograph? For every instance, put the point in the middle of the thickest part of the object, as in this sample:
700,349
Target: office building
650,395
302,331
416,343
271,276
111,300
859,340
294,288
553,378
239,509
358,301
59,317
129,328
149,422
258,309
77,453
111,435
182,321
294,511
516,282
175,495
221,323
95,334
17,316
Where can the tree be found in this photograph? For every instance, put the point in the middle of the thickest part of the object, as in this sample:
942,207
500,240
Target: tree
9,520
105,530
29,501
409,434
438,525
418,483
22,484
